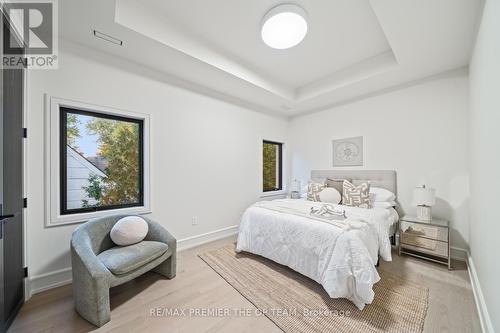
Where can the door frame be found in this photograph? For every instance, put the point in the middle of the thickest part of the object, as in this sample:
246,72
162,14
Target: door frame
24,154
27,290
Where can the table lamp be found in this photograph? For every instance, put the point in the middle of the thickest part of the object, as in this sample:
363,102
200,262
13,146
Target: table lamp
424,198
295,189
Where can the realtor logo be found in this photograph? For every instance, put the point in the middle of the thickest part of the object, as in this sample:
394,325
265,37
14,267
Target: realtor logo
31,39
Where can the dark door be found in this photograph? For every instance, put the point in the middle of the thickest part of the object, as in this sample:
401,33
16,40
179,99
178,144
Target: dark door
11,195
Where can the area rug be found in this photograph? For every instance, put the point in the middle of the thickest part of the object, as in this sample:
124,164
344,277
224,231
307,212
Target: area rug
296,303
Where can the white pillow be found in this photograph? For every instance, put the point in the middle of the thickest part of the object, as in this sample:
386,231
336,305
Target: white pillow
330,195
129,230
384,204
378,194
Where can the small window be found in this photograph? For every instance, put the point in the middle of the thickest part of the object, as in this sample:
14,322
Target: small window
101,159
272,166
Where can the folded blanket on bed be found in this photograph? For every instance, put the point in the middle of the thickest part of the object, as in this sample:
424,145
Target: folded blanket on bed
328,214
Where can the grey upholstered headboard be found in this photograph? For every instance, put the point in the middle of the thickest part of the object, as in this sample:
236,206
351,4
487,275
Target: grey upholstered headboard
379,178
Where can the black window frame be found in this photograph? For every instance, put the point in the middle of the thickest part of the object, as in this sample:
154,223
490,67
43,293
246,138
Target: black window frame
63,112
280,166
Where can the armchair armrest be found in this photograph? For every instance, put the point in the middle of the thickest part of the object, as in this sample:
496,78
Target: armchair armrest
84,256
158,233
91,280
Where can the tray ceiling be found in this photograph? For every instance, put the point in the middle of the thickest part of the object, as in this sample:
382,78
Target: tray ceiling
353,47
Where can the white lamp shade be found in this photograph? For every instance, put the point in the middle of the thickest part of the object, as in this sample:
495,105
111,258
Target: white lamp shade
295,186
424,196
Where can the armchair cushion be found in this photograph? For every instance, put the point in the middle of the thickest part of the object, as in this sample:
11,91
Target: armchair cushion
123,259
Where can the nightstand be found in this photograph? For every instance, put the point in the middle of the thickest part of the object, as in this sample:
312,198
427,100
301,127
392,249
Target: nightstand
428,240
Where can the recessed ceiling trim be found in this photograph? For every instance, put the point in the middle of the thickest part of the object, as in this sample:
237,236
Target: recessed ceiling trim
355,73
129,13
151,24
441,44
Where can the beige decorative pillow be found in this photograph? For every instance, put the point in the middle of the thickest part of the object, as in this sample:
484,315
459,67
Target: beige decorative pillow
336,183
313,190
357,196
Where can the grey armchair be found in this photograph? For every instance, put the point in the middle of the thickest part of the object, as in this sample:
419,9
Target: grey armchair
98,264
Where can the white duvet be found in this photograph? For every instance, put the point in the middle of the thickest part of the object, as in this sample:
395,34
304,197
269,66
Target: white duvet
341,256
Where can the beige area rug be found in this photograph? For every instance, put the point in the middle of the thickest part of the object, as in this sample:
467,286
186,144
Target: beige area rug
296,303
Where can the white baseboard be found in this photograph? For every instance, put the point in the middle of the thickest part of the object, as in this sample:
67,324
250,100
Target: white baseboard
484,317
189,242
46,281
38,283
459,253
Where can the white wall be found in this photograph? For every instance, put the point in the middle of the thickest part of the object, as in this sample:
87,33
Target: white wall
206,154
484,124
419,131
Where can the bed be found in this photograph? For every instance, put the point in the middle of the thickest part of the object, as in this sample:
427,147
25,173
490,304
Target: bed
341,256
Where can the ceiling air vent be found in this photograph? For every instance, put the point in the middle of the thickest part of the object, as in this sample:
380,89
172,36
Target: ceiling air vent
107,38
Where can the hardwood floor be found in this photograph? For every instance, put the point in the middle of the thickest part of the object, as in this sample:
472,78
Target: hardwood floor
197,286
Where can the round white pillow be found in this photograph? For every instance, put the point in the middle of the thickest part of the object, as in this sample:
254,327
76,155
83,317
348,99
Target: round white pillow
330,195
129,230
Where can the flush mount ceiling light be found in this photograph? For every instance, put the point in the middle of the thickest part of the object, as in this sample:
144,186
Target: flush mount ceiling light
284,26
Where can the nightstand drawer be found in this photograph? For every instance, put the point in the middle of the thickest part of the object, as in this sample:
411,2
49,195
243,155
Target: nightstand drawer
424,231
424,245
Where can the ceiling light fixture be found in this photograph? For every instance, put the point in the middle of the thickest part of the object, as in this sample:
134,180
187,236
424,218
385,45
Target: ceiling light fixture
284,26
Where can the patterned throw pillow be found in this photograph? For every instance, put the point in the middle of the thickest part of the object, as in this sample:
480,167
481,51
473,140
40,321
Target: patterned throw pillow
313,190
357,196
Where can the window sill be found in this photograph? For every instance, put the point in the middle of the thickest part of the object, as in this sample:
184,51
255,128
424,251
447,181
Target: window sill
273,193
61,220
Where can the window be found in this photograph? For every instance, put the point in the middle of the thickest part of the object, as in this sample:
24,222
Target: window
101,161
272,166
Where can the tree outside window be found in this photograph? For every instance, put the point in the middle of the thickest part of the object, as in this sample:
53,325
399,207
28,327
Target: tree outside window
102,165
272,166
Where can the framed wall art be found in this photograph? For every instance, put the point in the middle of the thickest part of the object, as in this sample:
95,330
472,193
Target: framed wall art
348,152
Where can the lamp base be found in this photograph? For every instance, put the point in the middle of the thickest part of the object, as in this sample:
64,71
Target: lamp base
424,213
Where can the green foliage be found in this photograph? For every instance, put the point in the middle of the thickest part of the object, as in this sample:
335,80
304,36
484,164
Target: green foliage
94,190
72,130
270,156
119,145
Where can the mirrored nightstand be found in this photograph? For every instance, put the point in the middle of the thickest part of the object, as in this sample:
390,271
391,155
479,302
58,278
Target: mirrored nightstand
428,240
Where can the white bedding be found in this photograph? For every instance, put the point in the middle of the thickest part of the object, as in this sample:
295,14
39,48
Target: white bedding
340,256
